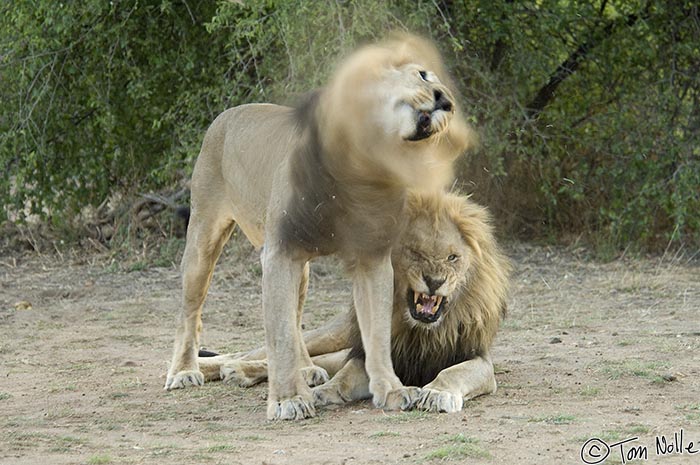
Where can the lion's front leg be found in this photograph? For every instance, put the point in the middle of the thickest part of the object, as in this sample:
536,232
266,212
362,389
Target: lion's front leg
313,375
373,294
289,397
206,237
453,385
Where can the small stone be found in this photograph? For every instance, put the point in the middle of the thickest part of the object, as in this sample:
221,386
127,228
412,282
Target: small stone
555,340
669,377
23,305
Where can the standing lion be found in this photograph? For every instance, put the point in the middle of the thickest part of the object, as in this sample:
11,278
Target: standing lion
327,178
450,287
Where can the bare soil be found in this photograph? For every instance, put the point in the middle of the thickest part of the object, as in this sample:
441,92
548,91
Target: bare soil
589,350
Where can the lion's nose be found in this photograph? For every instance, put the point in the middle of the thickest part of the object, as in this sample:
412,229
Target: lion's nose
432,283
442,102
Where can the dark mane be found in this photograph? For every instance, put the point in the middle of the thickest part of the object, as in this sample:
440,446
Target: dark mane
415,364
330,211
309,221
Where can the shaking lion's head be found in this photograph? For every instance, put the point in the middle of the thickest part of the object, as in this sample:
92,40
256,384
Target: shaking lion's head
390,112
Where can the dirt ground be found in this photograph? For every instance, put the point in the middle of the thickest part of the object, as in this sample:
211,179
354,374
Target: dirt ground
589,350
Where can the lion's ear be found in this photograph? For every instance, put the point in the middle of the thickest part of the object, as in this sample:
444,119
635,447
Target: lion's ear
472,221
474,244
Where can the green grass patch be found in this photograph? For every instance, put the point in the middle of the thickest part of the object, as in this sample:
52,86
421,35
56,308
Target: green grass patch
554,419
611,436
66,443
636,368
590,391
692,412
385,434
253,437
460,447
220,448
99,459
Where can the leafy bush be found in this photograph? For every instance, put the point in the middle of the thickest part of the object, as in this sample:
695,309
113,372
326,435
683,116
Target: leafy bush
589,112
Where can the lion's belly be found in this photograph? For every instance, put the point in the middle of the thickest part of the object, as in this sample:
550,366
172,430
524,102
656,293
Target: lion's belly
258,139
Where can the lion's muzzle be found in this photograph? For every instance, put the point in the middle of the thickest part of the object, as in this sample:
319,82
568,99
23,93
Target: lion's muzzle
428,122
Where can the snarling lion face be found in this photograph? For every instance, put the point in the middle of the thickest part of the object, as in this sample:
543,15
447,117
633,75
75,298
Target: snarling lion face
431,268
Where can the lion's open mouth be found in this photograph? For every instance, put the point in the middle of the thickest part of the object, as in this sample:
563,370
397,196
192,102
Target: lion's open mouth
423,127
425,308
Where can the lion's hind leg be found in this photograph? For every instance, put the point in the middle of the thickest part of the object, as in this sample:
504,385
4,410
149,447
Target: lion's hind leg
313,374
206,238
231,369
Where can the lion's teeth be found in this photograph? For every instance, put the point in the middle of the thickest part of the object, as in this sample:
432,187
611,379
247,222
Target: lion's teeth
439,301
415,297
419,307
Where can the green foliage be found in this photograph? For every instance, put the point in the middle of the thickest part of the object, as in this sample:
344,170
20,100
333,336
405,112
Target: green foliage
589,112
614,150
99,97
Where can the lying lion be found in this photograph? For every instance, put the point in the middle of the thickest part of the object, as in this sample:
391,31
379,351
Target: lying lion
327,178
450,283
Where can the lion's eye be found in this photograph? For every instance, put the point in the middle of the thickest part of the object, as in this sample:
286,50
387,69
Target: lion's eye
423,75
452,258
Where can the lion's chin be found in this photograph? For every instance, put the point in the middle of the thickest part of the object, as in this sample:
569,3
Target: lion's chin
424,308
420,134
429,125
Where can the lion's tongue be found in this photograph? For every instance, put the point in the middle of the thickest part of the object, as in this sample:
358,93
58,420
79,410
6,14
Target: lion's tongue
428,305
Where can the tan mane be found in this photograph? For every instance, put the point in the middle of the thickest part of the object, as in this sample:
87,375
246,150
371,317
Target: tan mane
475,312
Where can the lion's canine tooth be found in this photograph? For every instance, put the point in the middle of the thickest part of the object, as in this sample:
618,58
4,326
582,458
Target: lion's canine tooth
439,301
419,307
415,297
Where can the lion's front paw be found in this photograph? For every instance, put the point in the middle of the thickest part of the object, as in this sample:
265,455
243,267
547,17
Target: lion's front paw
314,375
295,408
402,399
380,389
433,400
327,394
183,379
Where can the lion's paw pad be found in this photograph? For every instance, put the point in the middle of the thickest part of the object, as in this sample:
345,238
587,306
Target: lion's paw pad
183,379
433,400
295,408
235,373
402,398
314,375
327,394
